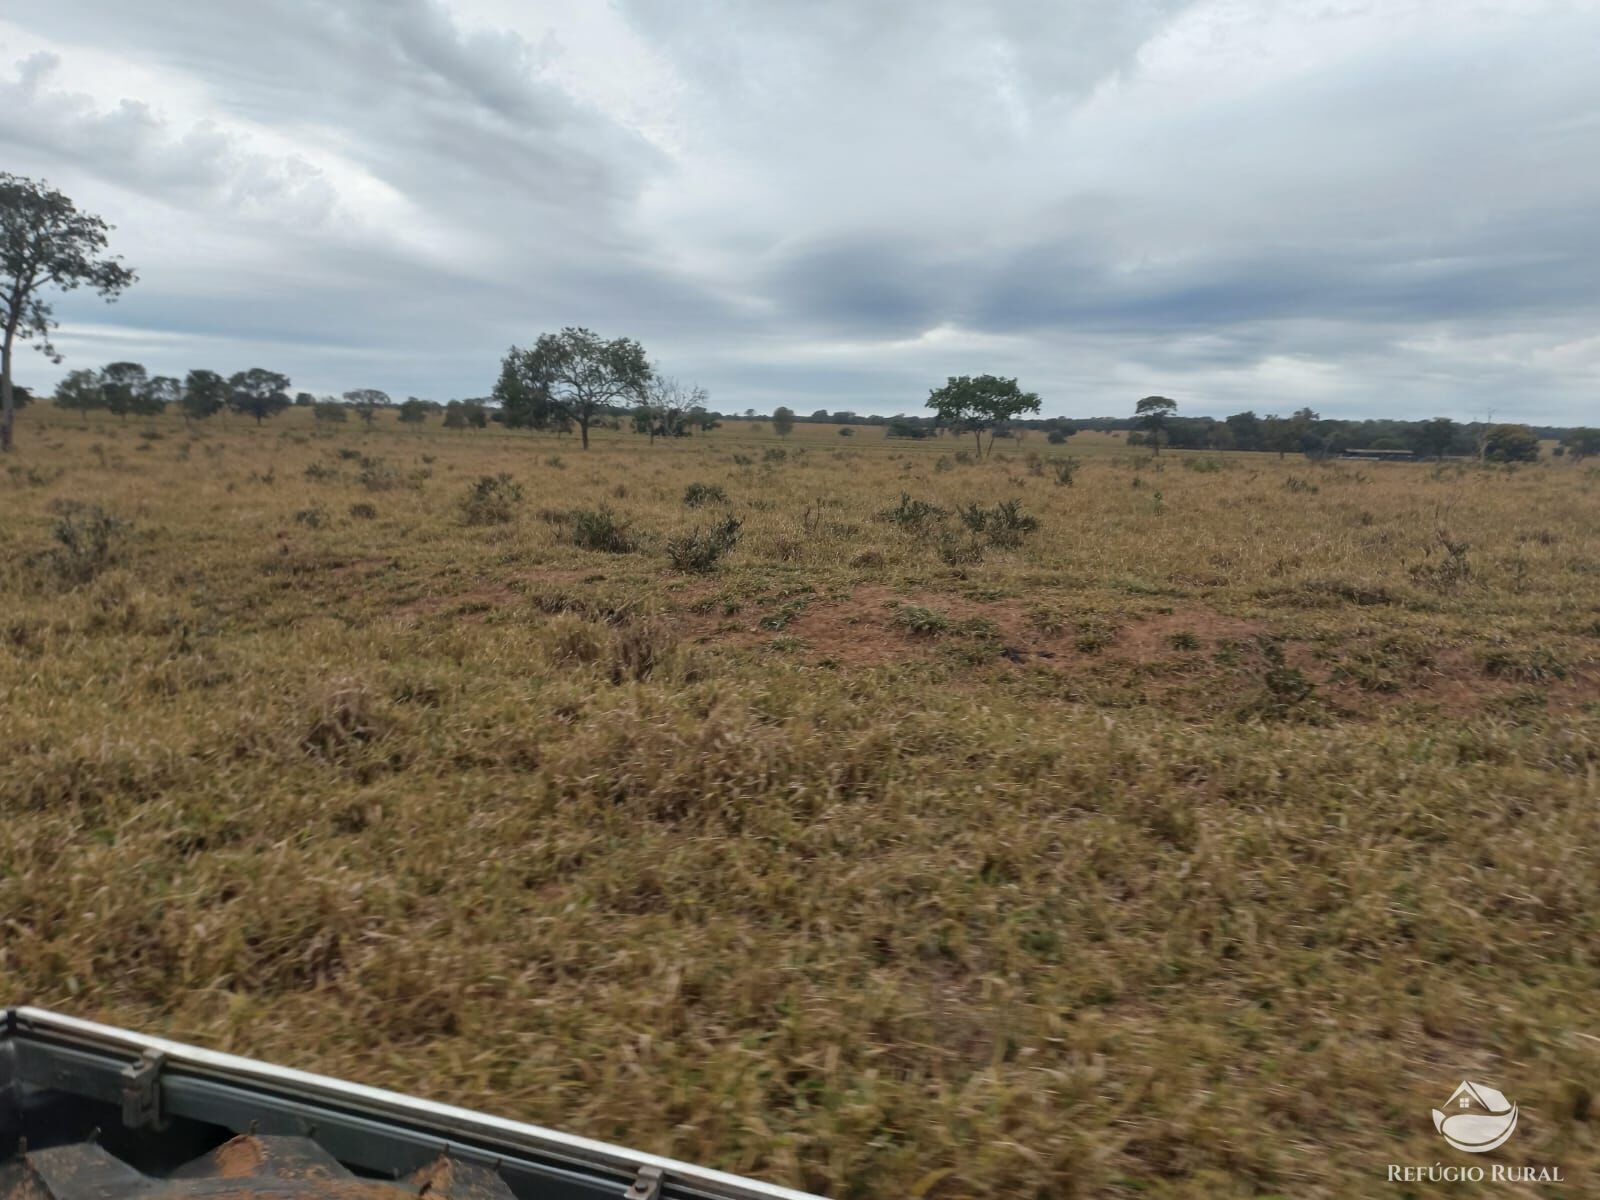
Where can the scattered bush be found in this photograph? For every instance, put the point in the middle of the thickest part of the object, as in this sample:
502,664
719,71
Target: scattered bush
491,500
699,550
601,529
1003,525
363,512
376,475
914,515
1066,469
698,494
87,541
314,517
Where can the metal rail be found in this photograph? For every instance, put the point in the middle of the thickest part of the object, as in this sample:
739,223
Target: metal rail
152,1081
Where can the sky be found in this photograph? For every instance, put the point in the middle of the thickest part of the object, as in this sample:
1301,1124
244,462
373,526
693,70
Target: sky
1377,208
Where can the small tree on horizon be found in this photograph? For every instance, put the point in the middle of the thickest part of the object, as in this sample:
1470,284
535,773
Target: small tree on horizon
576,375
782,421
1153,413
975,404
44,242
204,394
79,391
366,402
258,392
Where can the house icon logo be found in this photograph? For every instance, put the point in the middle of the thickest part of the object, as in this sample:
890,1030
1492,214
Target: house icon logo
1476,1118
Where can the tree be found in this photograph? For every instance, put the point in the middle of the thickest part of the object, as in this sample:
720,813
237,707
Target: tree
1581,443
782,421
79,391
204,394
1511,443
820,416
258,392
44,242
1153,413
574,374
460,414
1245,428
1278,434
367,402
121,383
161,391
413,411
304,400
1434,438
669,407
973,404
329,412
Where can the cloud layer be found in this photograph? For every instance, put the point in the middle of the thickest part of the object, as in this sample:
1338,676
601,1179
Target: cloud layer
1372,209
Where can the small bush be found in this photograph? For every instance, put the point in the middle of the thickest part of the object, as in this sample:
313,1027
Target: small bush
1533,665
774,455
87,541
1004,525
922,622
314,517
601,529
699,550
847,432
363,512
491,500
321,472
915,515
1066,469
698,494
376,475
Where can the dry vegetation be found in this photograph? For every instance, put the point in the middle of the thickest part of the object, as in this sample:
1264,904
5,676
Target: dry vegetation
1193,843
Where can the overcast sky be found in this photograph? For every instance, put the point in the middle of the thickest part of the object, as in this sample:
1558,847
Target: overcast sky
1374,207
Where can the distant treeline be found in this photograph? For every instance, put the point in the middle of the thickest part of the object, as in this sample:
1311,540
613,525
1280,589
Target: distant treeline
128,389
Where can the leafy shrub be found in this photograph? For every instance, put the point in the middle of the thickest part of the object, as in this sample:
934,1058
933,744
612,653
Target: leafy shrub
847,432
915,515
491,500
376,475
363,512
1066,469
699,550
921,622
601,529
1004,525
314,517
87,541
321,472
697,494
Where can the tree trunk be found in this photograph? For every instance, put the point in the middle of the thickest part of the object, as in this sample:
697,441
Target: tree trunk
978,434
583,430
7,409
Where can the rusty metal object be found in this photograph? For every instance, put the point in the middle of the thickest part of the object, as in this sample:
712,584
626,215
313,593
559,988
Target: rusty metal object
247,1167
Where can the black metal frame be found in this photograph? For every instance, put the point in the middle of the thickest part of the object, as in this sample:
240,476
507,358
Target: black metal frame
61,1077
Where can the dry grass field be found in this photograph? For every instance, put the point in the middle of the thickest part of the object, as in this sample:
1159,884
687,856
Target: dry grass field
1193,843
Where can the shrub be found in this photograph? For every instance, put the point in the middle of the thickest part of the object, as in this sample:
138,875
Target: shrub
915,515
601,529
1066,469
376,475
847,432
363,512
87,541
697,494
776,454
1004,525
491,500
314,517
699,550
921,622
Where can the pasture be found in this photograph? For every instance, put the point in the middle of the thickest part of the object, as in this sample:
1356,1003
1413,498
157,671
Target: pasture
1186,829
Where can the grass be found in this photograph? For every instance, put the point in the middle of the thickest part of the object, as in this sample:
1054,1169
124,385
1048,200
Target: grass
1191,853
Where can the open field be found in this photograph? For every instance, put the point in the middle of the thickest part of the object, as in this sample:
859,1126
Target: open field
1196,843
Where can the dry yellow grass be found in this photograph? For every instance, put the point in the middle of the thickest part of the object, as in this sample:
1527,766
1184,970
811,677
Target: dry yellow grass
1195,846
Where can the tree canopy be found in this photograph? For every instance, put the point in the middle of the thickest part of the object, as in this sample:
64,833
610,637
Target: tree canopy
258,392
45,242
575,375
977,403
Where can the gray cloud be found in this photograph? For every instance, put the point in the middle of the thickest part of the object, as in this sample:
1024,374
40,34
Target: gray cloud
1381,209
